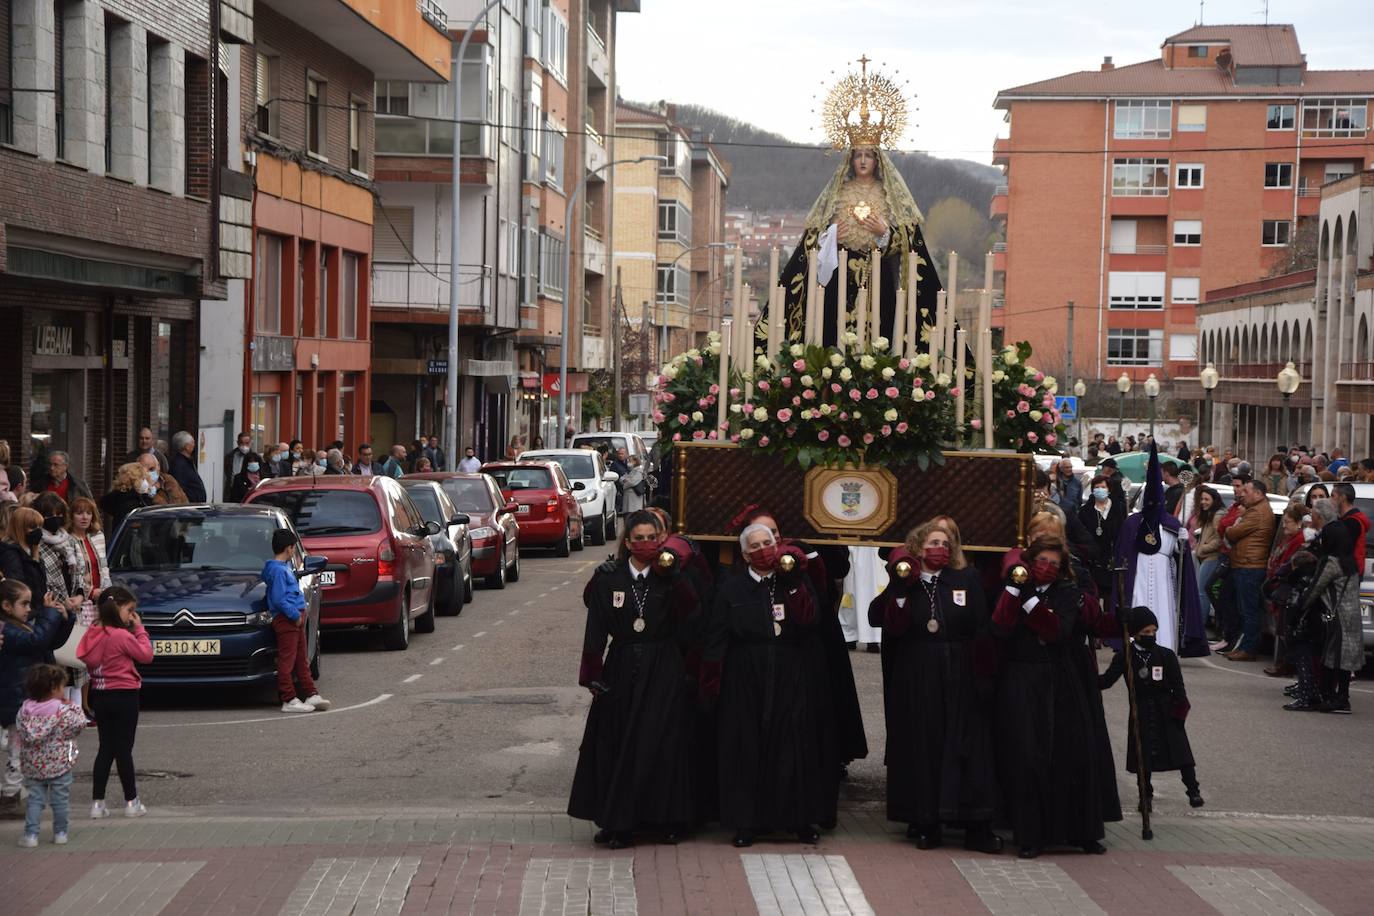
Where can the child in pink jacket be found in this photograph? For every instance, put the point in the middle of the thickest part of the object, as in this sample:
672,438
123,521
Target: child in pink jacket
47,728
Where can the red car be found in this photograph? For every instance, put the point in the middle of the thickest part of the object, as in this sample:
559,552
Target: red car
546,508
495,535
381,563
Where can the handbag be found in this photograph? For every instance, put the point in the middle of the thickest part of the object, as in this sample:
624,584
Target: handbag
65,654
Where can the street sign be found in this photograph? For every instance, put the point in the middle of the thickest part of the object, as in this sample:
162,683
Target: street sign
639,405
437,367
1067,405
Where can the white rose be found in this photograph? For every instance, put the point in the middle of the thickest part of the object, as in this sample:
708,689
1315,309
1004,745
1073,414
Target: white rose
918,394
697,417
1050,383
921,361
890,415
763,363
998,375
714,348
867,362
825,410
1035,416
825,373
760,414
836,360
1011,358
888,373
850,338
693,353
881,343
845,374
736,408
797,350
808,381
669,372
856,416
713,336
942,379
746,434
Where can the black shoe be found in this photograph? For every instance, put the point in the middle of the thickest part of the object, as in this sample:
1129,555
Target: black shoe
621,841
929,839
1336,705
1291,690
1302,706
1094,848
602,837
983,841
808,834
743,839
852,645
1029,852
873,647
1195,798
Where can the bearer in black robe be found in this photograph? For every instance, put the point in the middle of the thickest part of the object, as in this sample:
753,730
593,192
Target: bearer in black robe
940,765
1161,705
634,766
759,660
1046,749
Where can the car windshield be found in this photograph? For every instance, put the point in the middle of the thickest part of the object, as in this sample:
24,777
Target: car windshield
189,542
326,512
512,478
601,443
427,503
577,467
469,495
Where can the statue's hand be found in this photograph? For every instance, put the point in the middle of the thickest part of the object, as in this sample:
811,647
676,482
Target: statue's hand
875,224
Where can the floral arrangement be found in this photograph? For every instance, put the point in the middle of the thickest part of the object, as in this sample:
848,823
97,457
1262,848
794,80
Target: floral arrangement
686,394
1024,417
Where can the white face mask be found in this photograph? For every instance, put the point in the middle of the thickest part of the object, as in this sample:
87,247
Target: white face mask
1309,535
144,487
243,449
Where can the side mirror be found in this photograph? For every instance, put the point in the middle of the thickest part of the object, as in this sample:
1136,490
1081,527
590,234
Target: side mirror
579,485
314,565
460,519
610,477
432,528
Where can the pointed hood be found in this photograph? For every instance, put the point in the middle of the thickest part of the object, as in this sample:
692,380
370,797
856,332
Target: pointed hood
1151,506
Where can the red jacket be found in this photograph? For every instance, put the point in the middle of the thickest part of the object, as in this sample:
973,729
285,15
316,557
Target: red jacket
110,654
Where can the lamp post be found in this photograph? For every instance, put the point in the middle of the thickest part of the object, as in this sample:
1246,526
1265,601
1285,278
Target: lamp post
567,284
1288,381
663,339
1080,391
1209,378
1152,392
1123,385
456,240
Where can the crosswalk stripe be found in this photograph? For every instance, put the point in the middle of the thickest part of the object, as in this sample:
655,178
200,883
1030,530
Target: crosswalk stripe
354,886
1236,891
124,887
807,884
1011,888
605,887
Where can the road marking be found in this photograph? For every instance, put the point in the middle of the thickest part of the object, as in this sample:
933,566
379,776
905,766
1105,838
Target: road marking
125,887
602,886
1235,891
1211,664
513,612
379,698
353,886
804,884
438,661
1012,888
498,623
459,646
479,634
529,603
412,679
543,594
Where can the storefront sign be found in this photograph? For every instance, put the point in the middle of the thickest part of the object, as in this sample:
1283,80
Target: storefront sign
577,383
52,340
436,367
274,354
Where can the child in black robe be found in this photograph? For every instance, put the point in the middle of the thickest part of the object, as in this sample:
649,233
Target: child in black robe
1161,704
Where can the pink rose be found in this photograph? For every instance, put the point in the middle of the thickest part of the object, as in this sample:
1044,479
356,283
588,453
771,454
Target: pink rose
954,392
842,441
763,386
658,416
682,418
1050,438
784,415
823,435
662,380
871,394
918,381
854,394
1032,437
714,389
1039,376
699,434
796,401
976,424
1022,407
748,408
835,387
669,397
787,381
699,360
799,365
868,438
904,364
930,395
902,427
711,434
677,437
843,415
704,402
763,442
1011,414
1048,401
734,392
892,391
791,431
809,394
886,430
735,437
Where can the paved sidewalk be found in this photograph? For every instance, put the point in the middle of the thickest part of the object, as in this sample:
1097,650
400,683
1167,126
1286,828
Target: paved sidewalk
503,862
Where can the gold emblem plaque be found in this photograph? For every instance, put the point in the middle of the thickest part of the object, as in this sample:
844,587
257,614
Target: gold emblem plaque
850,500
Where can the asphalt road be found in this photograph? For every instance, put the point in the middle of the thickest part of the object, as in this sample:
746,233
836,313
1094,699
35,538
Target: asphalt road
486,712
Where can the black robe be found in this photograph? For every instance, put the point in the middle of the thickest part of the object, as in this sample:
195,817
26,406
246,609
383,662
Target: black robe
936,687
634,765
1104,546
833,565
774,770
1161,704
1047,755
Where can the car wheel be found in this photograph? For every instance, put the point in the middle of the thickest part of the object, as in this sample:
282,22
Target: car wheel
610,526
498,578
425,622
564,547
598,535
396,637
581,540
467,582
514,573
454,606
315,659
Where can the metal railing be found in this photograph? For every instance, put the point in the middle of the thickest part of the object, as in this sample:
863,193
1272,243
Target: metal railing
594,136
1307,191
1357,372
1138,249
596,40
999,247
1000,190
1261,371
423,285
433,13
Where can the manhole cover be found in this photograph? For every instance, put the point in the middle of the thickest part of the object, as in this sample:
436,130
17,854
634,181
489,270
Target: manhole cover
501,699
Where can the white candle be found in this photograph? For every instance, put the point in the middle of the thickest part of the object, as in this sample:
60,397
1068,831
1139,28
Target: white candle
959,381
861,317
812,297
772,267
913,314
875,296
899,322
738,292
937,337
842,299
987,388
745,333
723,383
775,307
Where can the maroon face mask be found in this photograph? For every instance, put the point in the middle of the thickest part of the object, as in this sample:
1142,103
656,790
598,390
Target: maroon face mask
765,557
644,551
1044,571
935,557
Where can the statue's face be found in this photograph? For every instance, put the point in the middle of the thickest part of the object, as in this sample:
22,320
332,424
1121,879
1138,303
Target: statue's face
864,162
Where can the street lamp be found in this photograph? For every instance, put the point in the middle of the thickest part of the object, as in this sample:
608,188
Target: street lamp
1123,385
1209,377
1288,381
567,283
1080,391
672,268
1152,392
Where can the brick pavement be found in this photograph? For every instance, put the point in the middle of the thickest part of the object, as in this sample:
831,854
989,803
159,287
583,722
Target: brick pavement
538,864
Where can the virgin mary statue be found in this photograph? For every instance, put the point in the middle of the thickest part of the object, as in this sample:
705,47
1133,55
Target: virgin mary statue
865,206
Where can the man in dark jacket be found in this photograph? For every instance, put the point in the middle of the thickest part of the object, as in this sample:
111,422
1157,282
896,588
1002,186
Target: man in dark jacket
233,462
147,445
183,467
367,465
59,478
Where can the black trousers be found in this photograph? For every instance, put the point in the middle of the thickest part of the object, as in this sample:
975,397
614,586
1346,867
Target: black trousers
116,717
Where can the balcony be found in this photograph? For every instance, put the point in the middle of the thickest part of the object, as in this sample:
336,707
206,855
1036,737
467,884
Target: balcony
596,154
593,252
423,287
1268,372
394,41
1001,150
433,12
598,61
1357,372
1156,250
593,350
403,136
999,247
1000,202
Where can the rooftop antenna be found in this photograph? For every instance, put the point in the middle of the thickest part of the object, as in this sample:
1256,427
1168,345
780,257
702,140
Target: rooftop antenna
1201,8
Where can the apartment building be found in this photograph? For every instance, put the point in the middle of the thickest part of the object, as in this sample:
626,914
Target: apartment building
1130,190
669,222
110,204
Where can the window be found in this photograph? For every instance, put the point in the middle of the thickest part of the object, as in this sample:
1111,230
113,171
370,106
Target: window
267,271
674,222
1188,175
1142,119
348,298
673,283
534,29
59,94
266,94
1187,232
335,511
7,80
556,44
1185,290
530,284
355,134
534,144
1183,348
1192,118
1335,171
1133,347
1140,177
1197,51
1278,174
554,140
553,266
392,98
314,116
1280,117
322,316
1334,117
1138,290
1276,232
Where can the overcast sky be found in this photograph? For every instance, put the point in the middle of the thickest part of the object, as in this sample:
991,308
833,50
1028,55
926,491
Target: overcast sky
763,61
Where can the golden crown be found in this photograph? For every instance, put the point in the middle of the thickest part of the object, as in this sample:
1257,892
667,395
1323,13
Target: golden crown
848,115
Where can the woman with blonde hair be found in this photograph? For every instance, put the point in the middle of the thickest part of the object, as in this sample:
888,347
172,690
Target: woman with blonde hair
916,537
131,490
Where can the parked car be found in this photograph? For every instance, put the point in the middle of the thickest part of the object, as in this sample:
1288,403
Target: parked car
492,527
635,449
197,572
546,507
381,563
593,483
452,545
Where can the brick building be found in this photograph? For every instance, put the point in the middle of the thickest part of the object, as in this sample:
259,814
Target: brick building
108,237
1130,190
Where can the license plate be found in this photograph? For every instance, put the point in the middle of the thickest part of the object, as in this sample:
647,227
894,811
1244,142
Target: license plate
186,647
522,510
327,577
